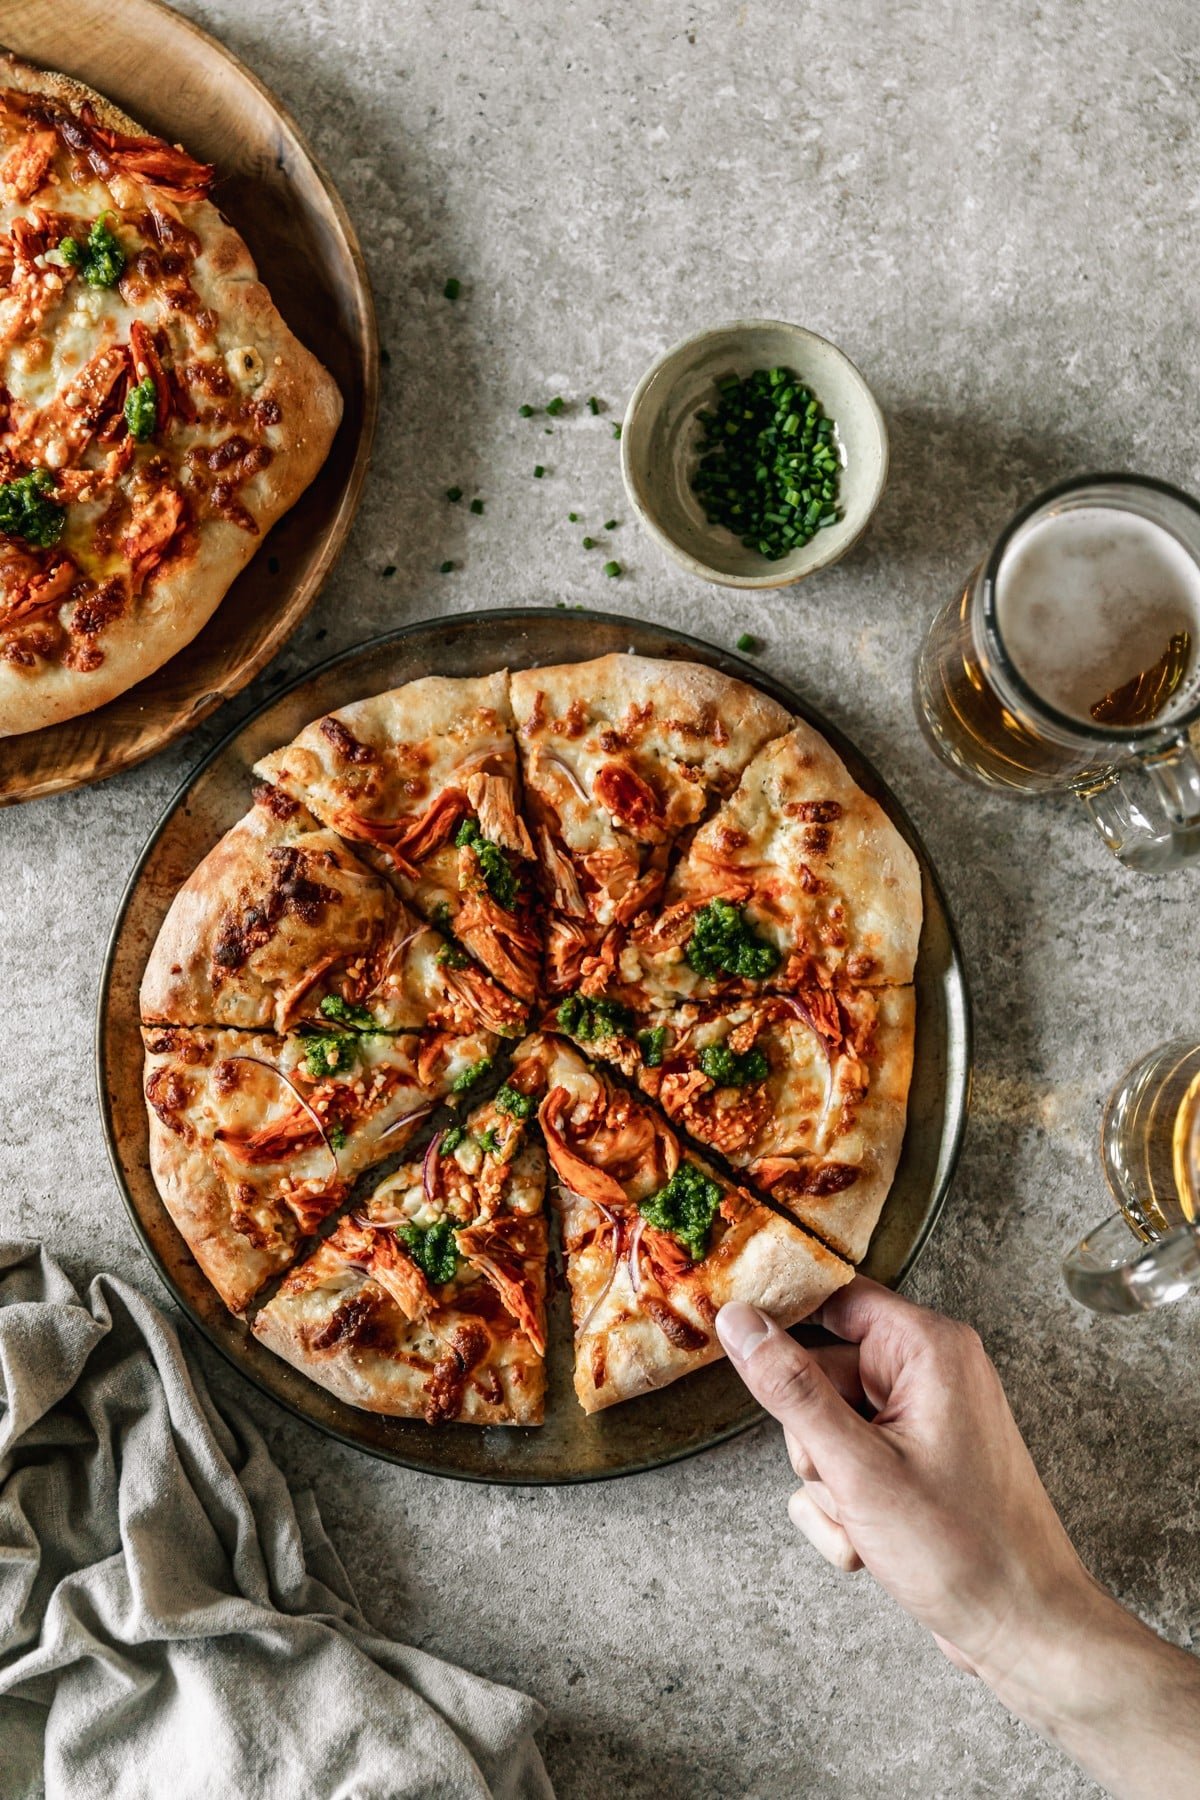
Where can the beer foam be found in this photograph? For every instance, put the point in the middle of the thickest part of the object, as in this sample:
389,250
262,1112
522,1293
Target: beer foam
1089,598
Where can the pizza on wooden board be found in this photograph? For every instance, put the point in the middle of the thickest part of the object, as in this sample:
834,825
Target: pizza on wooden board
156,414
668,876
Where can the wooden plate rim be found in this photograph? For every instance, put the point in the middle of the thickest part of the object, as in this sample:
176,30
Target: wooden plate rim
303,597
959,1080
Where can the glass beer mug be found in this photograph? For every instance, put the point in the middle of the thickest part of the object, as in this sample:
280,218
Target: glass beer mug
1149,1252
1071,663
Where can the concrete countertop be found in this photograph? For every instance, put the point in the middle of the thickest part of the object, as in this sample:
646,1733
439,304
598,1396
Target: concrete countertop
996,218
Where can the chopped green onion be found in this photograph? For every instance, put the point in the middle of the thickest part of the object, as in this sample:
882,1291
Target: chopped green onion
453,288
454,494
445,568
555,406
746,642
593,406
612,568
389,571
616,431
477,507
538,471
574,518
610,524
768,468
588,543
527,412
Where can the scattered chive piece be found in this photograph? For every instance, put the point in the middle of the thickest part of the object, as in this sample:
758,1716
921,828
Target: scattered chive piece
454,493
616,431
391,569
611,524
445,568
555,406
588,543
769,467
746,642
574,518
538,471
612,568
593,406
477,507
453,288
527,412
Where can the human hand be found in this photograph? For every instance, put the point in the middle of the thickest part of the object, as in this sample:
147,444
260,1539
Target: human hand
936,1495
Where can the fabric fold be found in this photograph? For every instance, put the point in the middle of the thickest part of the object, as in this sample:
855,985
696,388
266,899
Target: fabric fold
171,1619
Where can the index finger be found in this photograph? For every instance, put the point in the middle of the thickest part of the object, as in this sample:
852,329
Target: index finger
864,1306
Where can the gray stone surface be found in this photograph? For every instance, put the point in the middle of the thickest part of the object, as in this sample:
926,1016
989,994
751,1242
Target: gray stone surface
993,210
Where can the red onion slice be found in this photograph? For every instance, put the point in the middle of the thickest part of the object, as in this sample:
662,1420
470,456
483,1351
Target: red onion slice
602,1296
411,1118
634,1258
568,771
429,1165
287,1081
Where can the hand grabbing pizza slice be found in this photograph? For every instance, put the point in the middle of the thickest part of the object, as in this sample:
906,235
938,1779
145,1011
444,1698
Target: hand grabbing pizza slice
656,1241
622,757
255,1138
431,1301
424,779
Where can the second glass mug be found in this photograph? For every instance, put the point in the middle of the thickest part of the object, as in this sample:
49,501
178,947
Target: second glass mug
1148,1254
1140,783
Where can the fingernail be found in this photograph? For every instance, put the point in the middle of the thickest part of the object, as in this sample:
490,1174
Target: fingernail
741,1329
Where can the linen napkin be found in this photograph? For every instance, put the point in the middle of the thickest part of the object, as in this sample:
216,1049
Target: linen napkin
172,1622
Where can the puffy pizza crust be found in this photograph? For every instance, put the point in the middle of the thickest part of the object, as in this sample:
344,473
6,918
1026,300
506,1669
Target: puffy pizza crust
178,602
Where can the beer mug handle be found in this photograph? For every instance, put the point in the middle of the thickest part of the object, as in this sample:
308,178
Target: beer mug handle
1112,1271
1164,834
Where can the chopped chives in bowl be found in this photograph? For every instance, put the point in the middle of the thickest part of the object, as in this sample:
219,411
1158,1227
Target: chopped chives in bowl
769,469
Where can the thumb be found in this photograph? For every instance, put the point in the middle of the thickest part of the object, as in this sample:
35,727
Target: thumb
795,1390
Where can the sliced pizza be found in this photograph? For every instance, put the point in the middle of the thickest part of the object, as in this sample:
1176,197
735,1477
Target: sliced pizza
281,923
430,1302
255,1138
621,758
158,415
807,1092
424,780
798,880
655,1240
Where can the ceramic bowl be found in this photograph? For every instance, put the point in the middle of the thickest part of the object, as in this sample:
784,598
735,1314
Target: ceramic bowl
660,441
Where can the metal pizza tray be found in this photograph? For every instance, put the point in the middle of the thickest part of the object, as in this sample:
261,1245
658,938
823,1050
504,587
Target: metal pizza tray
701,1410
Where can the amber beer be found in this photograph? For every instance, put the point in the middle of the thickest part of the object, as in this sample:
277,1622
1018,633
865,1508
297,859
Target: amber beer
1070,662
1150,1140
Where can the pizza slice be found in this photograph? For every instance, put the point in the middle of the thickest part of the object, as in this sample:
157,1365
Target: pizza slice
281,923
255,1139
621,757
424,779
655,1240
431,1302
807,1092
799,880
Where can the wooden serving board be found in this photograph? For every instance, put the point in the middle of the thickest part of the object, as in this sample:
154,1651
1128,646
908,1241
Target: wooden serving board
177,81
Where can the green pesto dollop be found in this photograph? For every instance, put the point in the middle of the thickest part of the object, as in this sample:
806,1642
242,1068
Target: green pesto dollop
516,1105
27,512
584,1018
451,955
141,410
432,1248
99,259
722,943
653,1046
498,877
686,1208
728,1069
471,1075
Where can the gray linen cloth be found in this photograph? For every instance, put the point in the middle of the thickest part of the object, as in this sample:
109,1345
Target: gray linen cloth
172,1622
